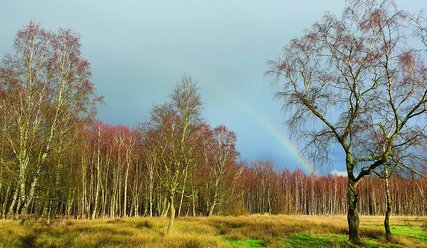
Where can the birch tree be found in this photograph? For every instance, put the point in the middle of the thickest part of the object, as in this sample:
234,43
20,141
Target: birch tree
46,87
347,80
220,154
177,123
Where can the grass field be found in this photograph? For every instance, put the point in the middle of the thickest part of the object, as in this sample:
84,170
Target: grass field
243,231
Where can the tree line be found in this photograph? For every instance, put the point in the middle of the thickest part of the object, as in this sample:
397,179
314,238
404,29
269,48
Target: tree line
113,171
265,190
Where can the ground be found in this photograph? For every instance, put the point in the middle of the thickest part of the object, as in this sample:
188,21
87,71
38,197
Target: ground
242,231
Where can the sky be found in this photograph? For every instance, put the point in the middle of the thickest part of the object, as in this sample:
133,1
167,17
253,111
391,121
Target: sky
140,49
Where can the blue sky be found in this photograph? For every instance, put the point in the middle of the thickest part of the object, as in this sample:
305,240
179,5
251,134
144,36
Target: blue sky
140,49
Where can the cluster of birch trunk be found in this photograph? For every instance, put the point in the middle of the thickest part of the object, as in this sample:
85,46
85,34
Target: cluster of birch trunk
267,190
171,164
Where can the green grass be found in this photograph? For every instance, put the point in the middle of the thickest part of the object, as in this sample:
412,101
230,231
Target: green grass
248,243
315,241
416,232
305,240
243,231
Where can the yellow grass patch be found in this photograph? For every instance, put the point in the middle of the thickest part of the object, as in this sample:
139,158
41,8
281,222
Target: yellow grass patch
219,231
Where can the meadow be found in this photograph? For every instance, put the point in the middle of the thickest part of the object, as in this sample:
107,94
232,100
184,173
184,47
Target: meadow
221,231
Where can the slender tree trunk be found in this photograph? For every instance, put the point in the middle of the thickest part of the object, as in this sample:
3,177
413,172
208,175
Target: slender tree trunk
172,212
137,207
194,202
98,182
107,183
113,196
125,191
388,205
151,195
13,204
103,192
84,181
22,180
47,208
166,206
1,186
150,166
6,199
135,192
352,215
70,202
119,194
182,193
423,206
95,206
212,208
30,197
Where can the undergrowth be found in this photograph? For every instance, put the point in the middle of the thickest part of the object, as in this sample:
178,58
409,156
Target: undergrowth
243,231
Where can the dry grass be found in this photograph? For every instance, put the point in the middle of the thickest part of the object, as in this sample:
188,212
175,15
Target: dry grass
243,231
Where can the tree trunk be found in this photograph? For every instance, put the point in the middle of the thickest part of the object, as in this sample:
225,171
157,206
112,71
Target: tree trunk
84,192
70,202
172,213
182,193
125,191
98,182
194,203
212,208
388,207
352,215
13,204
98,177
6,199
22,188
151,196
30,197
166,206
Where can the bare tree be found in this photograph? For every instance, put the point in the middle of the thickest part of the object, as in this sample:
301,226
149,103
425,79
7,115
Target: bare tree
176,124
220,154
361,86
46,89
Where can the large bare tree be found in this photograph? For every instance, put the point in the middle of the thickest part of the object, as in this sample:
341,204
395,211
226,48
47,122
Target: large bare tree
354,84
46,90
174,125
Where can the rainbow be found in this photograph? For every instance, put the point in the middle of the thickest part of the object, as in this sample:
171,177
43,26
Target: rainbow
271,128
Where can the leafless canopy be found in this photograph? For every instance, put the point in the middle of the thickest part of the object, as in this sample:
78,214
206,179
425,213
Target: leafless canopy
359,81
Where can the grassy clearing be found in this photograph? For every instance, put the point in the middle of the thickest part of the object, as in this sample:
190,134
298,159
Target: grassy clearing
243,231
